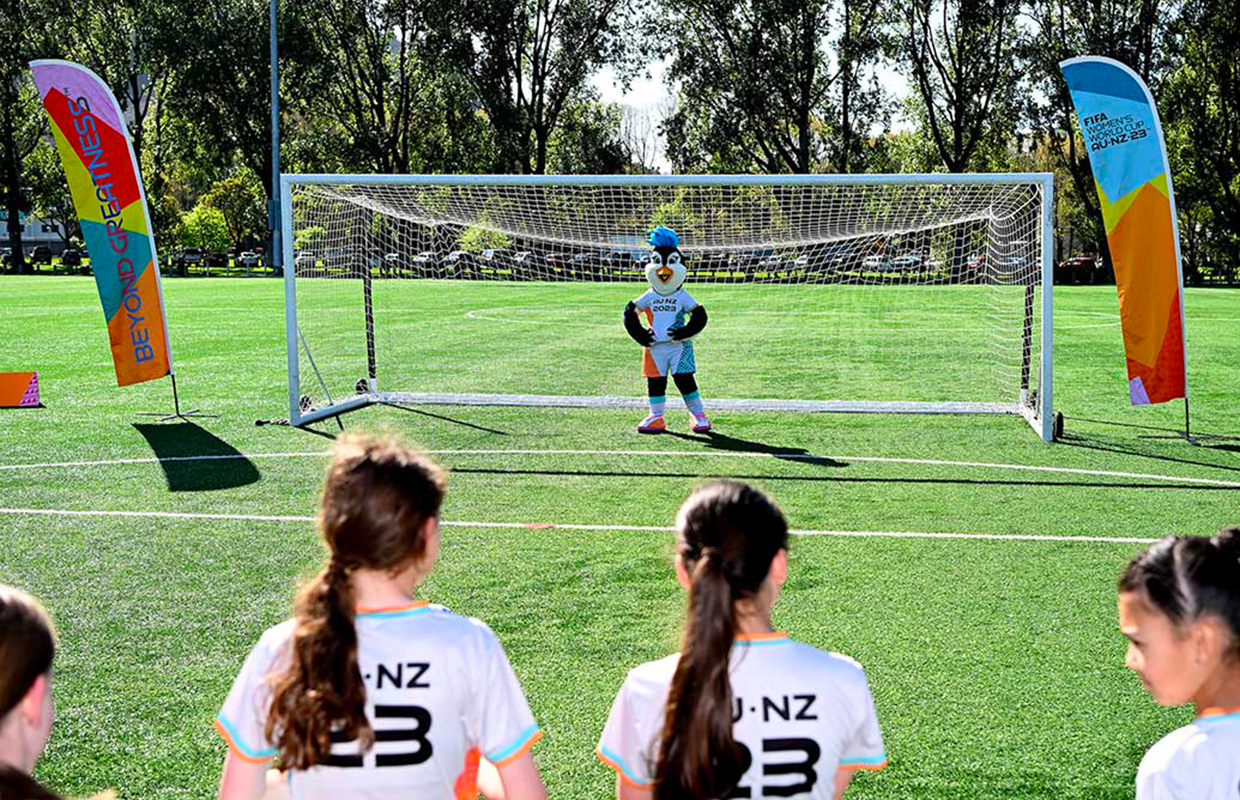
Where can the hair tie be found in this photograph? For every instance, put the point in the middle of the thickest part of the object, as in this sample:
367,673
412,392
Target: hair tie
337,568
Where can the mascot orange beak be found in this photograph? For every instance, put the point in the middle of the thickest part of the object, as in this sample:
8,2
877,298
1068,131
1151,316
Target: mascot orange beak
664,274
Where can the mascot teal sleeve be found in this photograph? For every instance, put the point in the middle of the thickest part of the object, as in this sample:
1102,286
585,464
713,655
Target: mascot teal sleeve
633,326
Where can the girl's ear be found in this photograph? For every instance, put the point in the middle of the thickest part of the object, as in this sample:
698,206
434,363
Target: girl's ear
779,567
1209,639
682,572
32,704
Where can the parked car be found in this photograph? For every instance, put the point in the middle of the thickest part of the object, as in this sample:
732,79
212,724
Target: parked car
6,256
217,260
248,260
907,263
424,263
42,254
455,261
188,257
337,257
71,257
305,260
876,262
1078,269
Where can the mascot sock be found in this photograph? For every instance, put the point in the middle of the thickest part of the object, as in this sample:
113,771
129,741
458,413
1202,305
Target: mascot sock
694,401
657,405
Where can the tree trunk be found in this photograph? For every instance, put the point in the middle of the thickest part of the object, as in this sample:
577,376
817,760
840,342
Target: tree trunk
12,182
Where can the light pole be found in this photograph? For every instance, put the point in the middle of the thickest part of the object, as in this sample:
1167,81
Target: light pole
276,256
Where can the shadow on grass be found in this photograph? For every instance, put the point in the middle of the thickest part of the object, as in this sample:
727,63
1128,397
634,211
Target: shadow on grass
454,421
1163,432
714,440
180,449
1143,449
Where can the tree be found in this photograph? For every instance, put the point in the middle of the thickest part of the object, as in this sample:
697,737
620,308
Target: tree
1202,102
638,138
1141,34
27,32
204,227
526,61
49,191
961,56
774,85
239,198
587,141
223,87
372,47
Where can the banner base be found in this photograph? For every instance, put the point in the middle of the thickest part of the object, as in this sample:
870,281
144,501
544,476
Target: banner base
19,390
177,413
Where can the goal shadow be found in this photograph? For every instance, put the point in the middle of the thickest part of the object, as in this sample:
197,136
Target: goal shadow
181,448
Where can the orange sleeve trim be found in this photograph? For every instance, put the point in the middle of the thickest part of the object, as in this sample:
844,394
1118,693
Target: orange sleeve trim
620,771
236,751
520,750
867,767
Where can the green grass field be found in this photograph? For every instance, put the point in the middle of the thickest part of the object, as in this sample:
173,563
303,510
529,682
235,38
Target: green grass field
995,663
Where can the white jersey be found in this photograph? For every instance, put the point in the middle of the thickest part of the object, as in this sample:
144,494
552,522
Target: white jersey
800,714
665,314
439,691
1200,761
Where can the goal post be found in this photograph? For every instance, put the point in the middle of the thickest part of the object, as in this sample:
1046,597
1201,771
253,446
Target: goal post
860,293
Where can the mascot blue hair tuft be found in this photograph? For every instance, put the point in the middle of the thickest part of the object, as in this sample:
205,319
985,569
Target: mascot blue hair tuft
663,236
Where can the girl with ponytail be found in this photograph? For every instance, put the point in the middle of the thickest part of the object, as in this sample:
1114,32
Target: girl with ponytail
27,647
1179,607
368,692
742,710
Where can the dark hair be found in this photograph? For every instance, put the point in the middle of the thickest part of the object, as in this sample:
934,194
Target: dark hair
729,533
376,501
1186,577
27,645
17,785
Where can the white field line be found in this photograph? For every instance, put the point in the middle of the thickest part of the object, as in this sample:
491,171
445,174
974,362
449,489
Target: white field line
673,454
57,512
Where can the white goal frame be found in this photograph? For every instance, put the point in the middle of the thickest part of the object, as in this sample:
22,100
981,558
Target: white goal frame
1039,416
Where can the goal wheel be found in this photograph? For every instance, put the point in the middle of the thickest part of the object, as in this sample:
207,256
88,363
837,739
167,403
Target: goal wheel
1057,426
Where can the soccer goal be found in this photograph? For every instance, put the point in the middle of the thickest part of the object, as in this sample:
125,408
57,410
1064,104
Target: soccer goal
858,293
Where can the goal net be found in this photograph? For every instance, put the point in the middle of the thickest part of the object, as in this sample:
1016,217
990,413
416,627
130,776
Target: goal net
886,293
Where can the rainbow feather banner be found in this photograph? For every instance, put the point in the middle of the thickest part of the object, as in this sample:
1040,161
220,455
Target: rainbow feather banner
111,205
1129,161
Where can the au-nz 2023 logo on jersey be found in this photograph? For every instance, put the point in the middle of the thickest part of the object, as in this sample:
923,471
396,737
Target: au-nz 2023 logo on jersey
394,722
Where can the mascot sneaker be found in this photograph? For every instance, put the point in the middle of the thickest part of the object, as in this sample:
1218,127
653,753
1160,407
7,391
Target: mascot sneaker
700,423
652,424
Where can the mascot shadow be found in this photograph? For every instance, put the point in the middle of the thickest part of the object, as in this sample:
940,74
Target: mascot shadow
713,440
195,460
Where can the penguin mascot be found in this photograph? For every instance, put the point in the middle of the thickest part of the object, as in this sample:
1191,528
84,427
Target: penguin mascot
674,318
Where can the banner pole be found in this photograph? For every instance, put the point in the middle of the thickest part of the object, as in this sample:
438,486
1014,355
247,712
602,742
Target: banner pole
177,413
